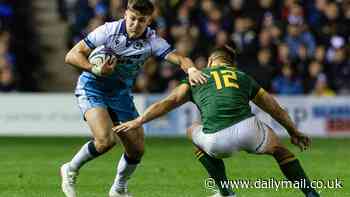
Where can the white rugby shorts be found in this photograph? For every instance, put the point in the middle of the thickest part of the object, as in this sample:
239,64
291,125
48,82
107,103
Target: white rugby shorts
250,135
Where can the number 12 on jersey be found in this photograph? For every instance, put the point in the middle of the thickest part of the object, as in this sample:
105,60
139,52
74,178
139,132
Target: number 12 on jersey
229,78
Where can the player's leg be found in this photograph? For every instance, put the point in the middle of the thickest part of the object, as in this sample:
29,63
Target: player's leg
133,142
100,123
123,109
215,167
289,164
269,143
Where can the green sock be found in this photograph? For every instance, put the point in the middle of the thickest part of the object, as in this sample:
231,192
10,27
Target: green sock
216,170
294,172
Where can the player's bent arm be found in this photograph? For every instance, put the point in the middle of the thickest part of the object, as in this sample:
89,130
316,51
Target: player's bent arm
77,56
267,103
177,97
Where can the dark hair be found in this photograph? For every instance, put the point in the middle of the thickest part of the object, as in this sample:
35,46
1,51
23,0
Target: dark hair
145,7
228,52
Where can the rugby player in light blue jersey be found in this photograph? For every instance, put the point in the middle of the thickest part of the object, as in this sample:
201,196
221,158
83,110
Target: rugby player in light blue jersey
104,95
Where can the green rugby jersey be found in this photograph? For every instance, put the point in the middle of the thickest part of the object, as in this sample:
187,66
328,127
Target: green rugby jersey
224,100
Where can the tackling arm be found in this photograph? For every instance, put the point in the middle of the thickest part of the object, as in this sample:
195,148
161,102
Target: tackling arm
267,103
177,97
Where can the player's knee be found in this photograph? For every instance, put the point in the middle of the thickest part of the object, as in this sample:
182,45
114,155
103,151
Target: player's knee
103,145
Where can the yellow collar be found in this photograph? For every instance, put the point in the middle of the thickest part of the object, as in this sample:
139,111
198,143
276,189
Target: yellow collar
224,65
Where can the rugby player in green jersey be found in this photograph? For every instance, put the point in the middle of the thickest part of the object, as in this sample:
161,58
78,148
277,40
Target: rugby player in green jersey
228,125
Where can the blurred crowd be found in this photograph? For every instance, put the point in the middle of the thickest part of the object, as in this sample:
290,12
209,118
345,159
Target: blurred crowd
20,58
7,75
290,47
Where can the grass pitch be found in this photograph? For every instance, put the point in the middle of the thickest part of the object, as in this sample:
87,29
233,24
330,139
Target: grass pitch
29,167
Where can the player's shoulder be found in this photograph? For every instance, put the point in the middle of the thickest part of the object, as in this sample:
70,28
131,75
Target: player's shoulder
207,69
245,77
160,47
152,35
241,73
114,23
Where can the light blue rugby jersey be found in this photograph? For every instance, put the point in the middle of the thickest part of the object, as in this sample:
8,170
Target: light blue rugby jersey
131,55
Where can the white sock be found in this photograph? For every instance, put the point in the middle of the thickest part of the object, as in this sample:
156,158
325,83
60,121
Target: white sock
124,171
86,153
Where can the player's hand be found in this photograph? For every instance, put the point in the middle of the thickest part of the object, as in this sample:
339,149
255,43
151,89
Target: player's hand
106,69
127,126
196,76
300,140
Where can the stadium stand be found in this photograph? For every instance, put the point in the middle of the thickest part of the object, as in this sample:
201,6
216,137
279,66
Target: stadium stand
291,47
20,58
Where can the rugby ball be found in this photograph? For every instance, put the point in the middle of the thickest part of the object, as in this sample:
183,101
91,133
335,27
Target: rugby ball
99,56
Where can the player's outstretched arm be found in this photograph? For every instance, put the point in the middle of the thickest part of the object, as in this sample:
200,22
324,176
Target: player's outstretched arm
195,76
177,97
267,103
